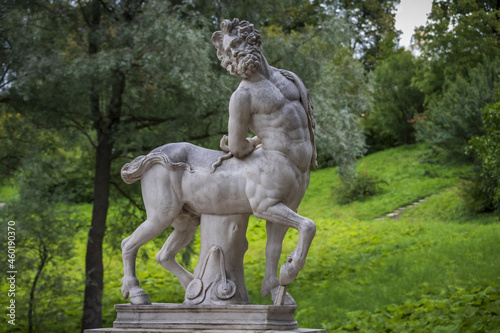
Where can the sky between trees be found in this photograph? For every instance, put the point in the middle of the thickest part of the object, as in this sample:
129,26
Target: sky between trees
411,14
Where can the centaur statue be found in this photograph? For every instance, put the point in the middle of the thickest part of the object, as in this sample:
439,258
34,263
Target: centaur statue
266,175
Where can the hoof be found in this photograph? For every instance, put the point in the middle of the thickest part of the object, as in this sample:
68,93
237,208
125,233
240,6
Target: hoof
288,273
130,288
125,289
268,285
139,297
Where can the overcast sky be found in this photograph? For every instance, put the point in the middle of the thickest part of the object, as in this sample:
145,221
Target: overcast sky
411,14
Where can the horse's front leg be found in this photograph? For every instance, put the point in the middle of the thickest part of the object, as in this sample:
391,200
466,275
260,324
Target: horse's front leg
279,213
148,230
275,234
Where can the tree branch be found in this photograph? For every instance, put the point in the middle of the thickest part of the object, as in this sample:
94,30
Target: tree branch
144,52
109,9
147,121
81,129
83,13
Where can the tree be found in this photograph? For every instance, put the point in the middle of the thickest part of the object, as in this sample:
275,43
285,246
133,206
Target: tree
457,72
373,25
486,148
395,102
342,97
454,119
44,227
288,15
460,34
111,72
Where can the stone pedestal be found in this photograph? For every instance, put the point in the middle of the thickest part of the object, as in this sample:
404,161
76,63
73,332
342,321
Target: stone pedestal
195,317
181,318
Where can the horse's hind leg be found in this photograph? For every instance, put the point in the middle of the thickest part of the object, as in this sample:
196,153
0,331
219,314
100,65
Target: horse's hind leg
185,226
162,207
148,230
281,214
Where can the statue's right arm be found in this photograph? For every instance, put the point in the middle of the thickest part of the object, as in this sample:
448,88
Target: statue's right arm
239,119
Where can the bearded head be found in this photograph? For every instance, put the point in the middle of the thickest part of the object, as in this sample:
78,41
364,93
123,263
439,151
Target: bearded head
238,47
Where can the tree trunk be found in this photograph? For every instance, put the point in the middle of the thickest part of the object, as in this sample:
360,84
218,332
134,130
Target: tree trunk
94,285
92,302
106,126
44,255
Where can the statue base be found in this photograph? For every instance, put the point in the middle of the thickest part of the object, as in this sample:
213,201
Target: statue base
182,318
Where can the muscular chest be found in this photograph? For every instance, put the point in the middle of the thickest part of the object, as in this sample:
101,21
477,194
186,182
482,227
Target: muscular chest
273,95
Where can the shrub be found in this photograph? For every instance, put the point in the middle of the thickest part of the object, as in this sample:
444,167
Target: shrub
485,191
395,103
455,118
363,186
466,311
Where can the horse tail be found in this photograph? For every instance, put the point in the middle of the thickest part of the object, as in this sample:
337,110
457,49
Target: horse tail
134,171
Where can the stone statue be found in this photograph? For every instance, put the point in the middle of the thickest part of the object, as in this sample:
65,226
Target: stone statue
267,175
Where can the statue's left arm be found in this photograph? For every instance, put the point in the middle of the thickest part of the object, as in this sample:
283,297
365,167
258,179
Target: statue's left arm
238,124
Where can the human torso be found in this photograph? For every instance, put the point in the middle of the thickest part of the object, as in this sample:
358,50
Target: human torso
279,119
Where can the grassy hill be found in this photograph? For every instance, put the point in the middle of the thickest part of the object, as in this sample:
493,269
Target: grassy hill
434,266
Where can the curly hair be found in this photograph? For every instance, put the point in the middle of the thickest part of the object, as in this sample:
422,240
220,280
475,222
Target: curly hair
244,30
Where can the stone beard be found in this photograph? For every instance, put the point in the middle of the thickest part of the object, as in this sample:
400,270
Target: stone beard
242,63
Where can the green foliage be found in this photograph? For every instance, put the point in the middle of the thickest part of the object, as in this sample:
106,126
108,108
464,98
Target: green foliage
459,34
364,186
454,119
45,230
475,310
288,15
486,191
395,103
46,283
14,141
408,175
373,24
312,47
341,97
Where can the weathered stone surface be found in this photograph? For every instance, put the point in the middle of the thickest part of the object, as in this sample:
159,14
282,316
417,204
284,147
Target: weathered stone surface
219,277
195,317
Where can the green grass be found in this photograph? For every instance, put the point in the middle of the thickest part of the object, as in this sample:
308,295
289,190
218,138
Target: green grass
408,177
8,191
436,268
358,264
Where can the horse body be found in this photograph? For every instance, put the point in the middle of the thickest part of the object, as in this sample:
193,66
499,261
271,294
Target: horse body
178,187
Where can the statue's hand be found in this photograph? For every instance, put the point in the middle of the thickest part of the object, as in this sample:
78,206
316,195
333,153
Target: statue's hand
256,142
223,144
